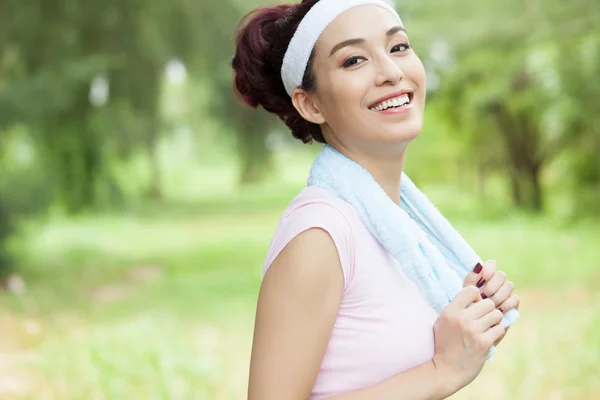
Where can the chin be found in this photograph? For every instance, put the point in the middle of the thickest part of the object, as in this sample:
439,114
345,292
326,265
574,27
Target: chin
404,132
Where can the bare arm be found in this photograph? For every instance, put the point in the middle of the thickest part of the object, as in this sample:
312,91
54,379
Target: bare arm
420,383
297,308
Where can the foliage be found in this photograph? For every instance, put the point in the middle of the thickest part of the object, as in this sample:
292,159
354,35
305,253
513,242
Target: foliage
520,96
159,302
513,92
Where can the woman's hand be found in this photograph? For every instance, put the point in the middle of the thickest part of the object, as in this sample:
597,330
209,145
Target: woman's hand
464,333
494,286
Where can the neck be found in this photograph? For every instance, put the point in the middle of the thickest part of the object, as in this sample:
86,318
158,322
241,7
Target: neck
386,169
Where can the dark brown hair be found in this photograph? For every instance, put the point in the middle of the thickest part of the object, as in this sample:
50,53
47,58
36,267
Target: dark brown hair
261,43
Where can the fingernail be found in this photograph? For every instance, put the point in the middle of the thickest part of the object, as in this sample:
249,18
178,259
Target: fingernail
478,268
501,310
483,296
481,283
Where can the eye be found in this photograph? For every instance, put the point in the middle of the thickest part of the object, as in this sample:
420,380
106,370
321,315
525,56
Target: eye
353,61
401,47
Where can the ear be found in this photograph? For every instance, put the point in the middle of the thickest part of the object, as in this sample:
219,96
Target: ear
307,107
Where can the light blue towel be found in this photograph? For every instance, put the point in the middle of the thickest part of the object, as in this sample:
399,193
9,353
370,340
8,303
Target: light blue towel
431,252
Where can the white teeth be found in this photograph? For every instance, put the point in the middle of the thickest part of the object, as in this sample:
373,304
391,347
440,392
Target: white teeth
395,102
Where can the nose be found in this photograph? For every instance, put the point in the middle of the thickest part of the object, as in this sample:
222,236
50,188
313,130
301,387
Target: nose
388,71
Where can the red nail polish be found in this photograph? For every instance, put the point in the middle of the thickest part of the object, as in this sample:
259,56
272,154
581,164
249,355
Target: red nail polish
483,296
501,310
481,282
478,268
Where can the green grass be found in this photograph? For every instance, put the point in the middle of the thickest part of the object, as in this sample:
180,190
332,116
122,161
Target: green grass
158,302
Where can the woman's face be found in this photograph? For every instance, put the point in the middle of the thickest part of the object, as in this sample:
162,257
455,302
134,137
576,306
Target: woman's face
370,85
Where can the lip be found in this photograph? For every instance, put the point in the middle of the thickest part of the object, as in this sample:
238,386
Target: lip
410,93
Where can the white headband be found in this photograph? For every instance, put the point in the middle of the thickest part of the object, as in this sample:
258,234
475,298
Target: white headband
308,32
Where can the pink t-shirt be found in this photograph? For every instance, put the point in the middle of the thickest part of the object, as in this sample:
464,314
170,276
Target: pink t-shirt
384,326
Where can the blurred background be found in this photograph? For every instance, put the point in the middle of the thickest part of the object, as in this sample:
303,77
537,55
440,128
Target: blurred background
138,197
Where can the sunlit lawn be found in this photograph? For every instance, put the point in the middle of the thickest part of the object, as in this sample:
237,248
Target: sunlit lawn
158,302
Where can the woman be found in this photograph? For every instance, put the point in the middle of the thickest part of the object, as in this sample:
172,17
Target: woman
338,316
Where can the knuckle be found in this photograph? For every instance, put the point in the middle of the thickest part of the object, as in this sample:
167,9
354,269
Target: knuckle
448,315
445,315
481,343
489,304
472,291
501,332
498,315
463,323
501,274
471,333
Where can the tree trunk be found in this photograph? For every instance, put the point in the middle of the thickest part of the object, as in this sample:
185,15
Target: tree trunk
515,185
481,175
523,153
537,202
149,107
154,190
5,232
74,155
255,156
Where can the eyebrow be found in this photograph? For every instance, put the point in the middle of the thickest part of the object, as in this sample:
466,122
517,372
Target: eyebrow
354,42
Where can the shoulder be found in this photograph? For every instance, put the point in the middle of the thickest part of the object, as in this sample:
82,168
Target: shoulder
314,209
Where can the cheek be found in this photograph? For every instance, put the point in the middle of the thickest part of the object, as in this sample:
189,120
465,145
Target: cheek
343,93
348,86
418,73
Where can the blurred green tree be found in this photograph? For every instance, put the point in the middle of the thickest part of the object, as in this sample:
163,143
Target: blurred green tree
250,127
511,89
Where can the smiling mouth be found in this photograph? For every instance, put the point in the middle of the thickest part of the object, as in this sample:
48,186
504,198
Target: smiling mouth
403,100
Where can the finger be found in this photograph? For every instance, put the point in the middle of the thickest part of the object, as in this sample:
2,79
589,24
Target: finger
493,284
505,291
480,278
494,334
480,309
466,297
512,302
489,320
497,342
474,275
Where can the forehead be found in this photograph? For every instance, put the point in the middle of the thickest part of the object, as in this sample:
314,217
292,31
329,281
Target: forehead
368,21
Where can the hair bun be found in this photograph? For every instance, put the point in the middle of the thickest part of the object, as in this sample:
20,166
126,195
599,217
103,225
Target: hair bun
261,42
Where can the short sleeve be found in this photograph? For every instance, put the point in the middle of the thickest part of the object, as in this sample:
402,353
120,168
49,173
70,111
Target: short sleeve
321,215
